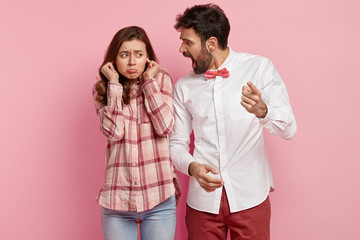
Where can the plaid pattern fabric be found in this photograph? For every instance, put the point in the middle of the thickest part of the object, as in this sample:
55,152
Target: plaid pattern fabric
139,171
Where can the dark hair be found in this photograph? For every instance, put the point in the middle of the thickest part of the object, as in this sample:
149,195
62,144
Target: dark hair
207,20
125,34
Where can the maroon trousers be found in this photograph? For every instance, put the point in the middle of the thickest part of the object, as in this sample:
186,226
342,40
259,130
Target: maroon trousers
250,224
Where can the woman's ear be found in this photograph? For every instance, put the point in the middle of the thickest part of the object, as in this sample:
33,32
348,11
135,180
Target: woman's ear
211,44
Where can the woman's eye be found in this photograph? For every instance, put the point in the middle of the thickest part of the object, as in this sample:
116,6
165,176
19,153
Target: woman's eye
124,55
139,55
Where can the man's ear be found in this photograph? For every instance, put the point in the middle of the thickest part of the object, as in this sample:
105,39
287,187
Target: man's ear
211,44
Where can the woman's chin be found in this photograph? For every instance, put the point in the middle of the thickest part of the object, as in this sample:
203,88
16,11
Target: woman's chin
132,76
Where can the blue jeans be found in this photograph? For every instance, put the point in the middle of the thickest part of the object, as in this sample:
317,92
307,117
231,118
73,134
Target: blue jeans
157,223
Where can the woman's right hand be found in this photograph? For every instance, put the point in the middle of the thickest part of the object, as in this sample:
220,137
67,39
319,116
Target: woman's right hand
110,73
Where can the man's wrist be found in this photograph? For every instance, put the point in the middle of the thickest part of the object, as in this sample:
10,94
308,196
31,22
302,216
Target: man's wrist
189,172
264,112
191,166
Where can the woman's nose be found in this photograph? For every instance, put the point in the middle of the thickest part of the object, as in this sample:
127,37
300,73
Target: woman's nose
132,60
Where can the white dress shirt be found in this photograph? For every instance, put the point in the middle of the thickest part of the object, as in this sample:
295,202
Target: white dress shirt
226,136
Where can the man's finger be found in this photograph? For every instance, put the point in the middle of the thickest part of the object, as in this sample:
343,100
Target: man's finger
210,179
215,185
245,105
246,89
207,186
253,88
211,169
248,100
207,189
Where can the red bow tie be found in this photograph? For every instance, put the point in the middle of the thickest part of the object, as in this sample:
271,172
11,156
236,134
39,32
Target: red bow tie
222,73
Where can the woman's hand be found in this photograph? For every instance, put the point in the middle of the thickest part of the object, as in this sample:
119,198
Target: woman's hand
151,71
110,73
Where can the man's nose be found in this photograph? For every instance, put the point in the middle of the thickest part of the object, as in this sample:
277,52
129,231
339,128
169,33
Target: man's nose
182,49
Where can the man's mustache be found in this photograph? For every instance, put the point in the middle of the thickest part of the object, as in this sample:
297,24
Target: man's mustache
187,55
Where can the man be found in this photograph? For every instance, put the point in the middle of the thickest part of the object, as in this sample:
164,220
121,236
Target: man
226,101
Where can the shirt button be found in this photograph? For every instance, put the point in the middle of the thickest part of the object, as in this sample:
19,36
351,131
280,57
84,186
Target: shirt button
135,183
134,164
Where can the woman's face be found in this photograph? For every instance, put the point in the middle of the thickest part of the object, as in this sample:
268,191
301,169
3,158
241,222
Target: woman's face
131,59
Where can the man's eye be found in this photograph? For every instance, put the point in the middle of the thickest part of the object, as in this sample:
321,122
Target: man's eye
187,43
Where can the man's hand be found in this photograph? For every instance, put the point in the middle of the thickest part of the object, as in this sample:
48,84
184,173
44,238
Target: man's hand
200,172
252,102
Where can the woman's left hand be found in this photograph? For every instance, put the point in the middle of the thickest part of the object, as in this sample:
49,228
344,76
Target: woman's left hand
151,71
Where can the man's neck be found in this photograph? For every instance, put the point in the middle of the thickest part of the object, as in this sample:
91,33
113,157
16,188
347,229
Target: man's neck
219,57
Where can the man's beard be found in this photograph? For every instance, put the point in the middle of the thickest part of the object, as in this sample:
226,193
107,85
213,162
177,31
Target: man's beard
202,63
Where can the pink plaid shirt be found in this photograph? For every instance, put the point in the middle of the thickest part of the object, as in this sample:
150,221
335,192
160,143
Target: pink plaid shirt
139,171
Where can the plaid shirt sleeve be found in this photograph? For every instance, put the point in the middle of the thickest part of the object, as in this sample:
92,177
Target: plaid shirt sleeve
158,102
111,115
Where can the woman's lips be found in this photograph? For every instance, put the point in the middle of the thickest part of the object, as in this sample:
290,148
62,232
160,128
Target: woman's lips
131,70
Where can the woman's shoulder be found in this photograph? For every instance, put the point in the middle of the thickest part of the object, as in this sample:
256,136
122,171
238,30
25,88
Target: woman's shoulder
99,87
163,76
164,72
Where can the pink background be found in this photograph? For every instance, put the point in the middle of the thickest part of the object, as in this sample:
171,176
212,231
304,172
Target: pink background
52,152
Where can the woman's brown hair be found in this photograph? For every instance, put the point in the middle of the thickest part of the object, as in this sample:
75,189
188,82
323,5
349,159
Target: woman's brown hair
125,34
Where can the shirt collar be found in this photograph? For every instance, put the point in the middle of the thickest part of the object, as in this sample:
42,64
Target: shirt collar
226,63
228,60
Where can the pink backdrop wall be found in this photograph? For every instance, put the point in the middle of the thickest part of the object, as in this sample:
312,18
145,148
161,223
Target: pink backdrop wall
52,152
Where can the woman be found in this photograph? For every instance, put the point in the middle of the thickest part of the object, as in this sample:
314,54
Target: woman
133,100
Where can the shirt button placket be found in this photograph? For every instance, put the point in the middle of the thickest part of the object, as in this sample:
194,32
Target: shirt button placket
135,157
134,154
220,121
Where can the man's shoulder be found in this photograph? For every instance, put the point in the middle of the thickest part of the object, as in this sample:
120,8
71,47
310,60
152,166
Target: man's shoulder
187,78
248,57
